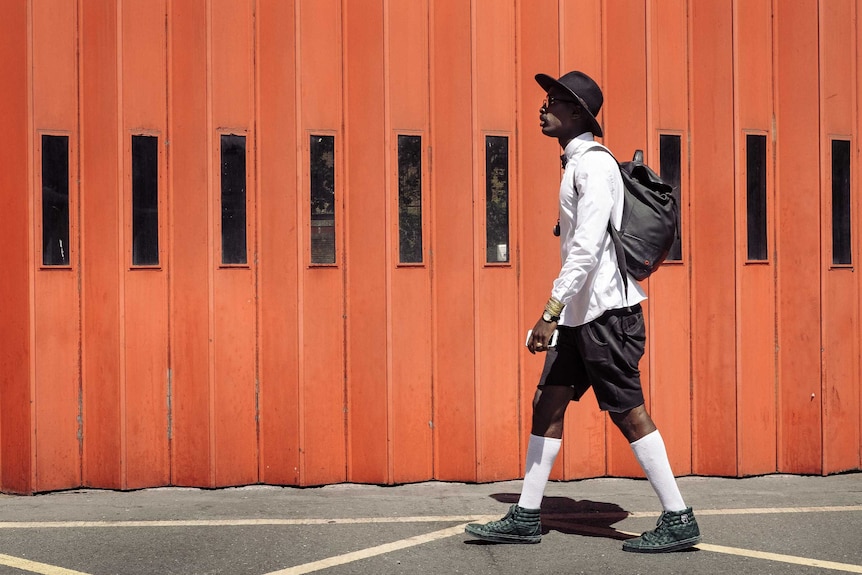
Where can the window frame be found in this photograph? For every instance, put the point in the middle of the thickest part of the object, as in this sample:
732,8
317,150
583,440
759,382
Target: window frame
423,199
747,200
742,198
218,243
38,201
679,192
510,207
160,201
830,192
305,199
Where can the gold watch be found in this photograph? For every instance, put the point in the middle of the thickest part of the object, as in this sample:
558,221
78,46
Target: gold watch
547,317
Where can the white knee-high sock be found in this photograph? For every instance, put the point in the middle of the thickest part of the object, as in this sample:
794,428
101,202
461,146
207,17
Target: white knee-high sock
652,455
541,453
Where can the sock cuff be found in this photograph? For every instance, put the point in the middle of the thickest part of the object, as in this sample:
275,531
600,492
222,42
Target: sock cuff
646,439
551,440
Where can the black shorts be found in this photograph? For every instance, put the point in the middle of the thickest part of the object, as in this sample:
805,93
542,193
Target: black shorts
603,354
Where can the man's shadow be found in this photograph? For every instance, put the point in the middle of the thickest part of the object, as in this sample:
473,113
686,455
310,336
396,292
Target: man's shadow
584,517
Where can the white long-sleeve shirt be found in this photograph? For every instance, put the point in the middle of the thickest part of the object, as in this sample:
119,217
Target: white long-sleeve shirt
590,282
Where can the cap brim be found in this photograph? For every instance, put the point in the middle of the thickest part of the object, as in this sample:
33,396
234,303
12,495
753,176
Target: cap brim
547,82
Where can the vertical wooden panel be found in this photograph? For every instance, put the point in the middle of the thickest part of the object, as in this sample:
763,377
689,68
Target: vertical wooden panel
410,419
16,427
586,432
625,131
190,246
840,311
755,341
278,269
855,170
669,336
56,305
322,297
453,241
538,178
234,378
100,258
713,239
498,337
797,238
144,89
366,236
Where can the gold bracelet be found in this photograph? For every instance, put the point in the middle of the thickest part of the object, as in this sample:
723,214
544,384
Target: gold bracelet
554,307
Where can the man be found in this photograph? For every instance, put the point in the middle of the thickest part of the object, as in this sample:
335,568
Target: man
600,327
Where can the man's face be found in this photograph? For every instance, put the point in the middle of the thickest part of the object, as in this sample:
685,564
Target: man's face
556,114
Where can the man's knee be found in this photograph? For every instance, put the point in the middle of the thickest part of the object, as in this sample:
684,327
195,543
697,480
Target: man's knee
552,398
549,410
634,423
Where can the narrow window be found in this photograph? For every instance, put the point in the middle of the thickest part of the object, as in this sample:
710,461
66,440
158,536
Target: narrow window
497,198
410,199
670,152
755,185
233,204
55,200
322,159
145,201
842,252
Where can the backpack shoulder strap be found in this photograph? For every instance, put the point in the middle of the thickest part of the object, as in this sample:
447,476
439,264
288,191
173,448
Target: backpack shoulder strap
615,236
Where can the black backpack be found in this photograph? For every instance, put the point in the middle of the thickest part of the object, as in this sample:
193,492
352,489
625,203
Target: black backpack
650,220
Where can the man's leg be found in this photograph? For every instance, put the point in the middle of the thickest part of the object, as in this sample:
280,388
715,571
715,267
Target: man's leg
649,449
677,527
549,411
522,523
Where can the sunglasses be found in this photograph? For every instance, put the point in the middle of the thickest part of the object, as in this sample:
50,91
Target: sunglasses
550,101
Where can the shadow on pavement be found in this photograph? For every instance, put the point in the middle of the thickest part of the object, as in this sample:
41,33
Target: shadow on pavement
584,517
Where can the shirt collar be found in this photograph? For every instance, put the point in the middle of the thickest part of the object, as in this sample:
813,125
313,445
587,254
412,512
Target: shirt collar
574,145
578,143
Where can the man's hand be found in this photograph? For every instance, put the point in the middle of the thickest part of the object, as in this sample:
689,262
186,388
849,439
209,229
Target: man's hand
541,335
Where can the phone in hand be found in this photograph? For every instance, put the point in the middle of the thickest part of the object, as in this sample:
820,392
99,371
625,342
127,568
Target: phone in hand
552,343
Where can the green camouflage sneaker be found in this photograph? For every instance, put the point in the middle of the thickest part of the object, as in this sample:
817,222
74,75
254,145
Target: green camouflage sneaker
518,526
675,530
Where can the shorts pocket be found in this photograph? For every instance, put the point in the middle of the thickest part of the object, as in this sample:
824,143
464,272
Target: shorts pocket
633,325
604,330
633,342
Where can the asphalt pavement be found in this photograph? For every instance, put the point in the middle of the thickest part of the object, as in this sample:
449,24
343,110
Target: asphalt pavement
762,525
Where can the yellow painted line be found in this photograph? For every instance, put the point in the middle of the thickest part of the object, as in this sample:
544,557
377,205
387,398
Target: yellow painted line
371,552
418,519
241,522
805,561
34,567
768,510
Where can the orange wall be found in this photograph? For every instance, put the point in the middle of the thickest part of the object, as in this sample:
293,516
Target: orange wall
281,371
713,239
798,302
16,348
